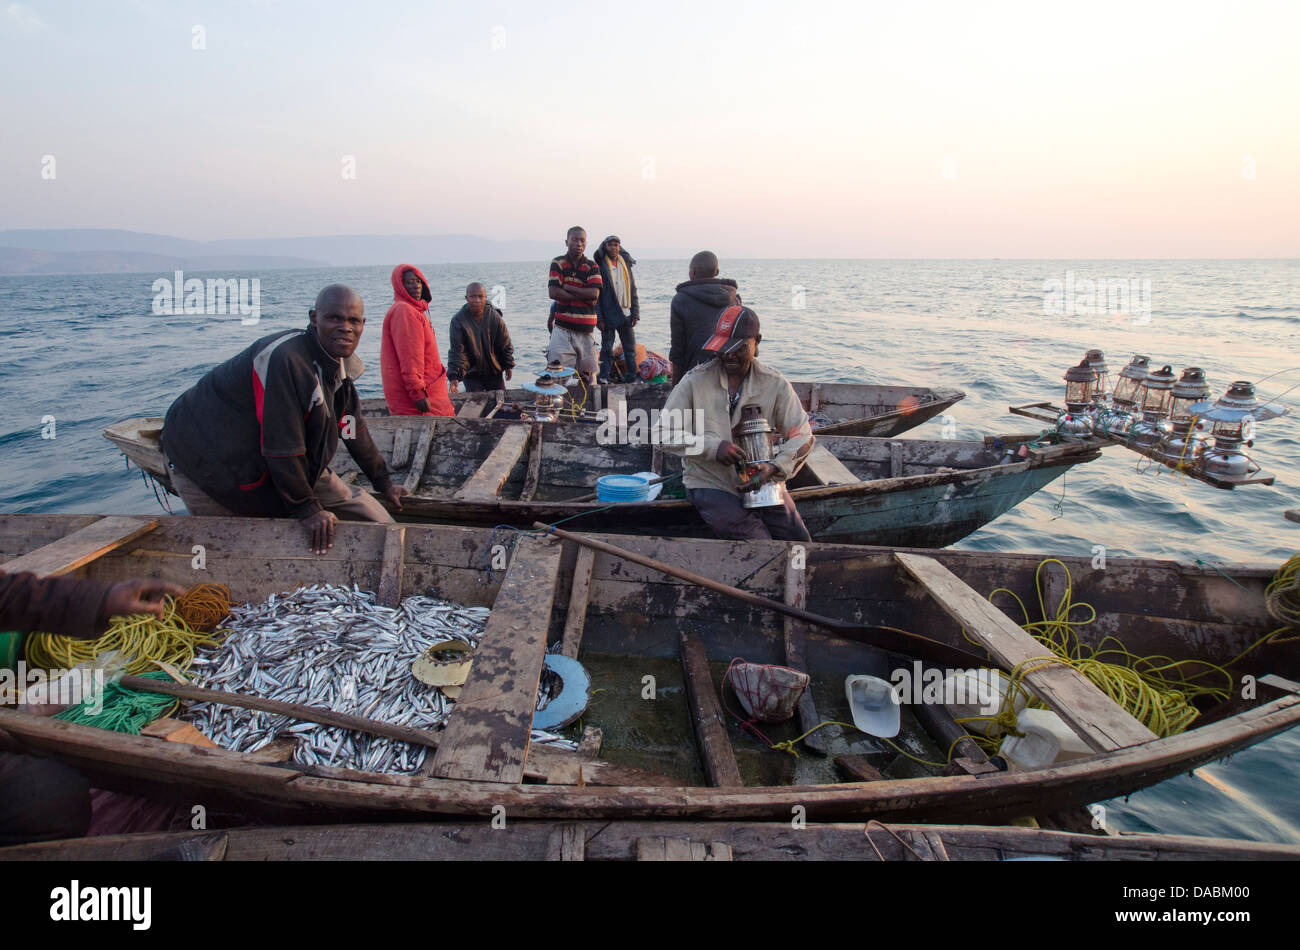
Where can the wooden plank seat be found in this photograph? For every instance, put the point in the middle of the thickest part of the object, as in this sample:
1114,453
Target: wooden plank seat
485,484
1091,714
80,547
827,469
486,738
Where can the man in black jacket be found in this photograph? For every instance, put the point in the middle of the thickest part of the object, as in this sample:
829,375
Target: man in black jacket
617,308
480,353
41,799
255,436
693,314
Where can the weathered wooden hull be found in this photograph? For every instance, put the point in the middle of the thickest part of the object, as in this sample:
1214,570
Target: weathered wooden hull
910,492
189,774
905,492
646,841
921,512
859,409
632,616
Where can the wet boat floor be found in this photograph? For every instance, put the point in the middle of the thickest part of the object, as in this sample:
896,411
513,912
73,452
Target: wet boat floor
656,734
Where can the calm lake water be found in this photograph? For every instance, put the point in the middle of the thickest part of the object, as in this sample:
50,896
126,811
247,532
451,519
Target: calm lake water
89,350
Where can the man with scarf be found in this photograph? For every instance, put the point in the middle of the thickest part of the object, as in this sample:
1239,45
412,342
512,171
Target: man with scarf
415,382
617,309
480,353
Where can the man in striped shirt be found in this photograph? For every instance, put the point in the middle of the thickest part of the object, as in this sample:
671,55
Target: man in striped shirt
574,284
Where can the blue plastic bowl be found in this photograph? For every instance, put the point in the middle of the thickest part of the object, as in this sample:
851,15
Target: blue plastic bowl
622,488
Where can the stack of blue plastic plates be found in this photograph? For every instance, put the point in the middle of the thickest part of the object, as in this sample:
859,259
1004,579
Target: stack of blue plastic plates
623,488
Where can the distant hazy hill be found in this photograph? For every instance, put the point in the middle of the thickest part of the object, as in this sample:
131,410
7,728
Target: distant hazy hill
106,250
392,249
21,260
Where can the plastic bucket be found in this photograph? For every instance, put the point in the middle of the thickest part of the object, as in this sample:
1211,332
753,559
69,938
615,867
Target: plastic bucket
1047,739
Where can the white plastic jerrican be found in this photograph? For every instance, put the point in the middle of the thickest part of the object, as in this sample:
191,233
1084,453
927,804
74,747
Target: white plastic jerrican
1046,740
985,692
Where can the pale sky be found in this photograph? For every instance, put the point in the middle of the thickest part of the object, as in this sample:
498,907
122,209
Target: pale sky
758,129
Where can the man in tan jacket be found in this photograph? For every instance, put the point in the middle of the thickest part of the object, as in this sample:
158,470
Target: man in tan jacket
697,422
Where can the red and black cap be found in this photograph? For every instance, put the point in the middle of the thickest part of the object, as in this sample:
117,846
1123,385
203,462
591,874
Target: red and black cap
735,326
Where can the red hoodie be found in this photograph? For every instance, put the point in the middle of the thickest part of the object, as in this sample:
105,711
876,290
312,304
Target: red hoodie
408,357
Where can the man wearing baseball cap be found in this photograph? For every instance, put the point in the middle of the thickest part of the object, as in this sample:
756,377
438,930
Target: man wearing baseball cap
697,420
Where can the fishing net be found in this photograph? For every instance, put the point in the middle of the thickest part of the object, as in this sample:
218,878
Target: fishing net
768,693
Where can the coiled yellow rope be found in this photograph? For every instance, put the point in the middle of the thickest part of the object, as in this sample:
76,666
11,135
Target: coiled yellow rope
1156,690
142,640
1282,598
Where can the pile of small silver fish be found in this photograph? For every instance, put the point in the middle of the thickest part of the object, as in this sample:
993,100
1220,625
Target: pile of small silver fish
333,647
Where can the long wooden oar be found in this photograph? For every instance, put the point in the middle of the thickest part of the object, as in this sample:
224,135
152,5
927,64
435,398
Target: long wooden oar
890,639
318,714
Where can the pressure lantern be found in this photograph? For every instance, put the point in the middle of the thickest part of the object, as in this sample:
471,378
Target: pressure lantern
1080,383
1101,388
1186,444
1075,424
1155,394
550,390
1233,417
1190,389
755,437
1128,387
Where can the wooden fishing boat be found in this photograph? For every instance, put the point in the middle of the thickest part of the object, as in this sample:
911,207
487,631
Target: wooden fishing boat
854,490
645,841
839,408
674,755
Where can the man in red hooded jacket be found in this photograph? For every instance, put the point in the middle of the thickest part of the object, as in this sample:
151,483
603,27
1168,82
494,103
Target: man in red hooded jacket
415,381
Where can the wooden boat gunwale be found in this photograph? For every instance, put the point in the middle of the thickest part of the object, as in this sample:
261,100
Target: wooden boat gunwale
626,840
833,512
927,403
269,555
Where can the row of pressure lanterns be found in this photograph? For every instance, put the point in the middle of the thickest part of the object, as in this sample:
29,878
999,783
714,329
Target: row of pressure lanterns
1163,414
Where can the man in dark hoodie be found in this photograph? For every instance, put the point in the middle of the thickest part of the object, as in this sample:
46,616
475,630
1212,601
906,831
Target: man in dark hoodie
480,353
617,307
255,436
693,314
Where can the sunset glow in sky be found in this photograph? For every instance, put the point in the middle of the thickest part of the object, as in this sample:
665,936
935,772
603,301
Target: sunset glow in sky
759,129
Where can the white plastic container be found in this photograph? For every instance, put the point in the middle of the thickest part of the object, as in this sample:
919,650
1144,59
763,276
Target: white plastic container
984,691
1046,740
